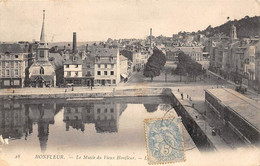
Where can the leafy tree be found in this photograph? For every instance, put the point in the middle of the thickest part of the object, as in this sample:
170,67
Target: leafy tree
189,66
154,64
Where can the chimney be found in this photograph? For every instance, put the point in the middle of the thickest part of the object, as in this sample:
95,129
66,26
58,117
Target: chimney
74,49
150,37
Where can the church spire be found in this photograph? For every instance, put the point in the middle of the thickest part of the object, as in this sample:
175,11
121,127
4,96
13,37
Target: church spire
42,38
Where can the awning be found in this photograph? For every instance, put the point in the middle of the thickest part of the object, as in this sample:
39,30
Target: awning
47,77
41,77
124,75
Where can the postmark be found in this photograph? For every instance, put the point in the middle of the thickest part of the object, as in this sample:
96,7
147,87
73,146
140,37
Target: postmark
164,140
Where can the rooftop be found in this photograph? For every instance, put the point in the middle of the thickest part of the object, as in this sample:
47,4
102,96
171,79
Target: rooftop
185,49
73,60
12,48
106,52
245,107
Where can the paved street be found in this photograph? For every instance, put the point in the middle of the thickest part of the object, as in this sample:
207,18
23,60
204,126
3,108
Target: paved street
174,81
137,80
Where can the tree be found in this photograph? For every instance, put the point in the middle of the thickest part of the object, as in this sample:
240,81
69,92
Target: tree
189,66
154,64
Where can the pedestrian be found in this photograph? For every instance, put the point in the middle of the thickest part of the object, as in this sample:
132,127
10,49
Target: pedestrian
182,96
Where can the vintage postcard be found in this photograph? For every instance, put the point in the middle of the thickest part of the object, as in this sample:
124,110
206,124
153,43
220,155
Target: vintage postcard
129,82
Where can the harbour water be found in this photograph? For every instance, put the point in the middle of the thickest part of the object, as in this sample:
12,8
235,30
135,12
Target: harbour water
48,125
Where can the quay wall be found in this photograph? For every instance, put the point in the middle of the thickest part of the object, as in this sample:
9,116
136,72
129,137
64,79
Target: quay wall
88,94
193,122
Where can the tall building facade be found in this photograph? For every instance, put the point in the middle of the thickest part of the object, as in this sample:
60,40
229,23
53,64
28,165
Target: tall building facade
12,66
107,66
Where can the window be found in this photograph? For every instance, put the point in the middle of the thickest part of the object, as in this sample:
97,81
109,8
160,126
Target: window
16,56
16,65
112,66
108,81
111,110
105,110
41,54
74,58
7,64
98,73
41,70
67,66
16,72
98,110
98,65
88,66
105,65
114,81
111,72
76,73
7,72
17,82
69,73
76,66
105,73
88,73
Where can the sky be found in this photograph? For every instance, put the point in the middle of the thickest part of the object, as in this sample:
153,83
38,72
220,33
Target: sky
98,20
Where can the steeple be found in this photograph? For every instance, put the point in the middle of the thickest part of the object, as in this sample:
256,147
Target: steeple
233,33
42,50
42,38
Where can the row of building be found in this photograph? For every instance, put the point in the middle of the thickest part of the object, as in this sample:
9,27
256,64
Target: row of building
235,59
36,65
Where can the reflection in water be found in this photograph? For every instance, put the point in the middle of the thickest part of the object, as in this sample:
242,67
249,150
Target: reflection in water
17,119
104,115
151,107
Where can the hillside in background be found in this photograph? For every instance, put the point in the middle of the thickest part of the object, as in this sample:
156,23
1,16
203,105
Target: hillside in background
246,27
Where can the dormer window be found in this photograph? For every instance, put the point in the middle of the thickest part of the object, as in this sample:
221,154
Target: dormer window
74,58
111,58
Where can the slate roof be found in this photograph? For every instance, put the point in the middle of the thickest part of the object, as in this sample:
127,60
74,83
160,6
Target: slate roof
106,52
12,48
70,61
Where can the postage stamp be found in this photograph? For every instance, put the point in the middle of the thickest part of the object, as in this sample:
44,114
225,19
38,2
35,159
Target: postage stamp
164,140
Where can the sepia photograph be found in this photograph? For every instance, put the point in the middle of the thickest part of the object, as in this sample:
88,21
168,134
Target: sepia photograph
129,82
